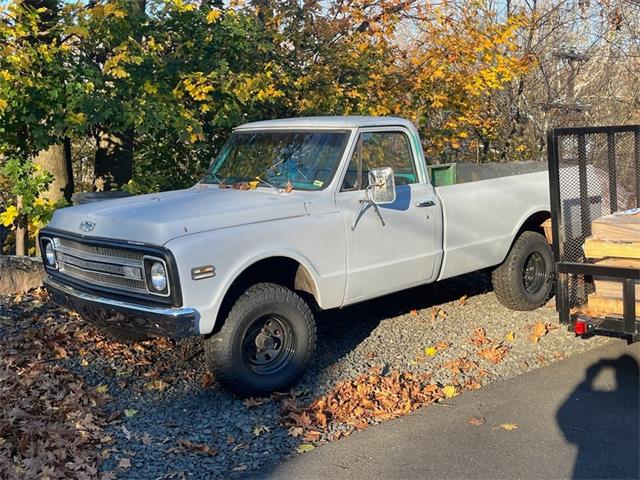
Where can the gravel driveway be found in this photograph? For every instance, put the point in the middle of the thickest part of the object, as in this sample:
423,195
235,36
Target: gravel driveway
167,418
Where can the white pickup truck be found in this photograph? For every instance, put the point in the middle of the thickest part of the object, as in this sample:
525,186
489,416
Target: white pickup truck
295,216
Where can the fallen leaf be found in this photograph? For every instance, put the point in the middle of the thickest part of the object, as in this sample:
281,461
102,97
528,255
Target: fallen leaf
449,391
288,188
60,352
159,385
207,380
510,336
305,447
230,440
295,432
102,388
463,300
479,337
507,426
477,421
413,313
240,468
538,330
187,444
146,439
260,429
431,351
494,353
130,412
253,402
442,345
126,432
124,463
312,436
84,362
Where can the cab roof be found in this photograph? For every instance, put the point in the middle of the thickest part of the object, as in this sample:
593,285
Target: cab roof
350,121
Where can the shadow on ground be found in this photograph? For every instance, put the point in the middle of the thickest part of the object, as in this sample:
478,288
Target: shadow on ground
335,341
601,418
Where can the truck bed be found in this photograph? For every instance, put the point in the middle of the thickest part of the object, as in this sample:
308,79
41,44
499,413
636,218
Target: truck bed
481,217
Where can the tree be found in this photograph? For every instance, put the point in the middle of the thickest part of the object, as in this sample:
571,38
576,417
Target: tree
32,101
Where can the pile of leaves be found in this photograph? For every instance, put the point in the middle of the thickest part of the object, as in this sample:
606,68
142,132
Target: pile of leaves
50,426
362,401
51,422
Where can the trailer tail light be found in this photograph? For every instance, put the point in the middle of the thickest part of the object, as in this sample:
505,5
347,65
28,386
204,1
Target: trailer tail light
580,327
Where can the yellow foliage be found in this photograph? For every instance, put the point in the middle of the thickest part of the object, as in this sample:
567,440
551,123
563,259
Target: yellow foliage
213,15
150,88
431,351
181,6
8,216
449,391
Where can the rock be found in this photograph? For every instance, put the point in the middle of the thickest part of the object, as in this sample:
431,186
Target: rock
19,274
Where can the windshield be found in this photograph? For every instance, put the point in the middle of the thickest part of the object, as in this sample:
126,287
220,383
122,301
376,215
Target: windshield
304,160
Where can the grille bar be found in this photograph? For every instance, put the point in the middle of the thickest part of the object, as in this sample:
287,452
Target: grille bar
118,253
104,279
99,265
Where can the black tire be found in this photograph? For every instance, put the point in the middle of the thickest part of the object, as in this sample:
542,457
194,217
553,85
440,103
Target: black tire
265,343
524,281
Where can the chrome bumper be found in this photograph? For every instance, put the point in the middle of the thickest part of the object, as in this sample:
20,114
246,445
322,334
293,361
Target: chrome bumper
129,317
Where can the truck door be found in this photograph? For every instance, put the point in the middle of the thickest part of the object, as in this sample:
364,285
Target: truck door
406,251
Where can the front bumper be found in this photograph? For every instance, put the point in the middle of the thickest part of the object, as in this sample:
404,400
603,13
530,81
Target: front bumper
129,317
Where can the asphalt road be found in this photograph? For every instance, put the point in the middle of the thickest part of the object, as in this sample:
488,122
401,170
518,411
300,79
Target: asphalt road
578,418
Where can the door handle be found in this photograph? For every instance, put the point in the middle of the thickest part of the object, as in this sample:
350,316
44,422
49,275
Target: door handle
426,203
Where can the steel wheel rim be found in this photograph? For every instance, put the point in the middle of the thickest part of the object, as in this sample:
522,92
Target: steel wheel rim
268,345
534,273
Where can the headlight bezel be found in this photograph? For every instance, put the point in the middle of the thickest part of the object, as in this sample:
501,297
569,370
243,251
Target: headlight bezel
148,263
45,243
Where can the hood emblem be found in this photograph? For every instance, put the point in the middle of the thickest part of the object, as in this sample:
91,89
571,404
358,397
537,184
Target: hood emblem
87,226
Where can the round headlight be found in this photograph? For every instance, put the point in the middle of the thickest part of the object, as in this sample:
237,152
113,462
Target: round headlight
158,276
50,254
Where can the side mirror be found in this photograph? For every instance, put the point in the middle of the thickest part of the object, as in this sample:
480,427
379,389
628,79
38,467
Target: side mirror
382,185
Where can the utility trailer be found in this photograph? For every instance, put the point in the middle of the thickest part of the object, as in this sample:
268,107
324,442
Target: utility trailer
594,172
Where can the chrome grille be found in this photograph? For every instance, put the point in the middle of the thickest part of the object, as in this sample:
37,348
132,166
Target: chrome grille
101,265
118,253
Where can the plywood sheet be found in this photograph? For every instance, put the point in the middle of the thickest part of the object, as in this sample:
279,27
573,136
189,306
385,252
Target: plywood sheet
605,305
594,248
619,227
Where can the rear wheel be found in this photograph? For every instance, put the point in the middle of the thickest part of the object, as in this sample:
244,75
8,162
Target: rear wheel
525,279
265,342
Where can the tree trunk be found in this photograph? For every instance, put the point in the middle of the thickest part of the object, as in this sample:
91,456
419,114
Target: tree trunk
57,161
22,238
114,158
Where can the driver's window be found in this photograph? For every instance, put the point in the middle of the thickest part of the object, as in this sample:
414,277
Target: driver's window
377,150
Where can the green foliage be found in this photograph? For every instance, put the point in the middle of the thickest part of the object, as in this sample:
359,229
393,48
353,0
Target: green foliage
182,73
28,182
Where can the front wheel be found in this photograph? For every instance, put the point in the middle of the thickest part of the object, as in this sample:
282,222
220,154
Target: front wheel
265,343
525,279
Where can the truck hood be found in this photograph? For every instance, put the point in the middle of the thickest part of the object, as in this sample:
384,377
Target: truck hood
158,218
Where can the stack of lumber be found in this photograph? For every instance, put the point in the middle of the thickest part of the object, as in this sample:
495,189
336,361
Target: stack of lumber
615,241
